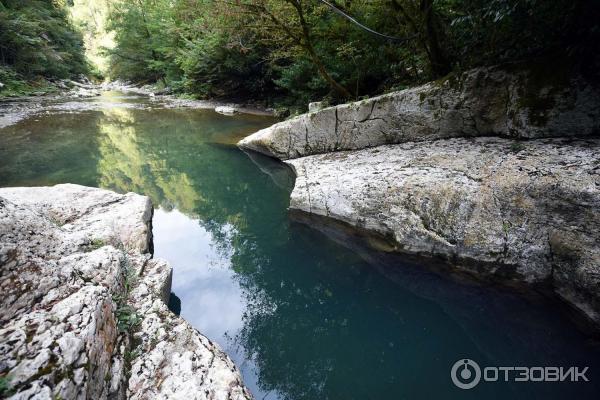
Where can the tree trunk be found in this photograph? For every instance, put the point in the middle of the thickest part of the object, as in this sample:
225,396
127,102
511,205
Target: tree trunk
440,65
337,87
340,90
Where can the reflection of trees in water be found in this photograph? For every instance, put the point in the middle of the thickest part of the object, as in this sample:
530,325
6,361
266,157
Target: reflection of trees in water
50,149
237,203
305,324
132,160
167,154
162,155
247,218
315,317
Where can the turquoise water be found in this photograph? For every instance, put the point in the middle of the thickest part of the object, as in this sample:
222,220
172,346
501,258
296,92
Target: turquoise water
303,316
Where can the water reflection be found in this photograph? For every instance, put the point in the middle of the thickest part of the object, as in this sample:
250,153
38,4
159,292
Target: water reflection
305,314
134,162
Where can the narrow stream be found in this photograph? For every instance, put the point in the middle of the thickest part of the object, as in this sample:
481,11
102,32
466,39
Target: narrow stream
303,316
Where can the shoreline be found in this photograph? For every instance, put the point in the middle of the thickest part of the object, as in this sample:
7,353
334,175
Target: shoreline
15,109
379,252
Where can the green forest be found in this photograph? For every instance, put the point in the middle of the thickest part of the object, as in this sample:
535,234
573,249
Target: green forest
283,53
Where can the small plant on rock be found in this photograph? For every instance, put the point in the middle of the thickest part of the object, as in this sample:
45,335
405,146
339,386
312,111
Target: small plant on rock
127,317
5,389
516,147
94,244
131,355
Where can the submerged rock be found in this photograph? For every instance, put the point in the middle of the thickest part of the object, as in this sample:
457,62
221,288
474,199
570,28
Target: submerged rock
506,210
481,102
83,312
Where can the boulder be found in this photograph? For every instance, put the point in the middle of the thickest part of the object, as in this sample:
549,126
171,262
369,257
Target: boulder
315,106
83,311
226,110
482,102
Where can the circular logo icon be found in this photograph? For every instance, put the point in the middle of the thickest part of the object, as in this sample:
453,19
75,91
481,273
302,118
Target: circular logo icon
465,374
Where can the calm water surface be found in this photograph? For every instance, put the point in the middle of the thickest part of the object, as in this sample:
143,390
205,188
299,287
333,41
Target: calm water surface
302,316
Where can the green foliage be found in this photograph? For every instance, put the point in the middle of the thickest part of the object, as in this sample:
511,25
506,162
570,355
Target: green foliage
516,147
290,52
188,46
14,84
5,389
96,244
37,44
37,39
131,355
127,316
492,31
285,52
143,43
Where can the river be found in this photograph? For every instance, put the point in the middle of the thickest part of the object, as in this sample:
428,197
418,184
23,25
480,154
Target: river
302,315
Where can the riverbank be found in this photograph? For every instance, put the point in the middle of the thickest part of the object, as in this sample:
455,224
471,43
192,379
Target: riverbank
15,109
84,312
520,205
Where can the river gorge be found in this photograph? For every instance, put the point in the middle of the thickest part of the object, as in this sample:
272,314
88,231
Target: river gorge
301,312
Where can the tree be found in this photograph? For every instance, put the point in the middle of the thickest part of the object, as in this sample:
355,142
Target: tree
288,18
423,20
37,39
290,52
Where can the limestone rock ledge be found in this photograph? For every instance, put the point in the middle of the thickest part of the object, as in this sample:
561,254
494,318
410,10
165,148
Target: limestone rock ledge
82,311
493,101
528,213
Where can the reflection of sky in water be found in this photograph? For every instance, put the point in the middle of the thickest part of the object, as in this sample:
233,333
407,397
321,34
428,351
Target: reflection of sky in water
211,299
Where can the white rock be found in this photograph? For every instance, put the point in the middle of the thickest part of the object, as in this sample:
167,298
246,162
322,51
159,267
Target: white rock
315,106
226,110
61,253
530,215
481,102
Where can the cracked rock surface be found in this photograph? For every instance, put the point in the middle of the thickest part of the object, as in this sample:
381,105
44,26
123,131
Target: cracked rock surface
495,171
72,259
481,102
528,214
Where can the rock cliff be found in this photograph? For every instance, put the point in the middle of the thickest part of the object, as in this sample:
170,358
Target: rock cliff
493,172
83,311
528,215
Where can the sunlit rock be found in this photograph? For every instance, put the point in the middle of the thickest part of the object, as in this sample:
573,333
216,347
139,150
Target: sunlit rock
83,312
480,102
226,110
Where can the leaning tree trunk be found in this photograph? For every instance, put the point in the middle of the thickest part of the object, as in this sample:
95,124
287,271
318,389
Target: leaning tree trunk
307,44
